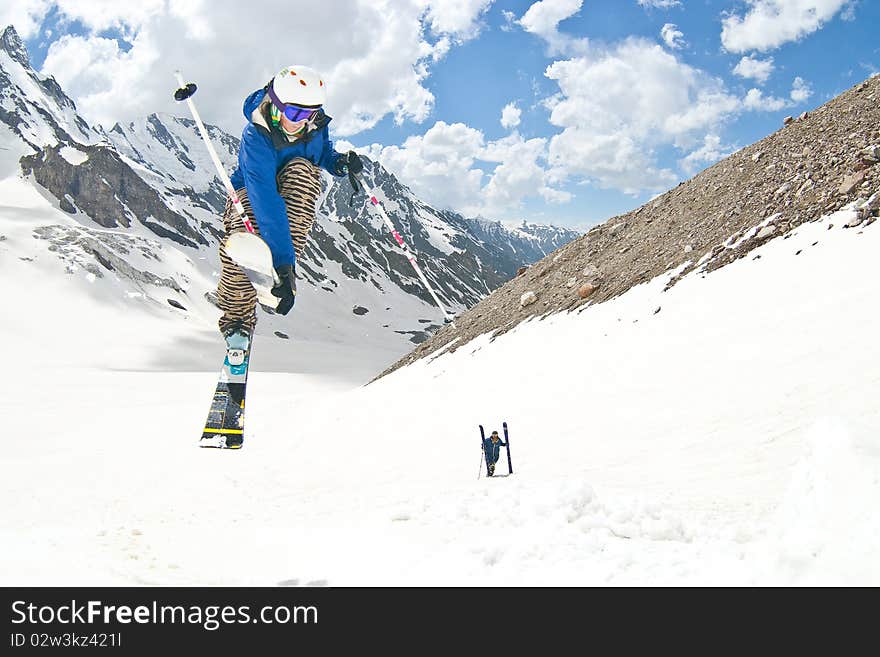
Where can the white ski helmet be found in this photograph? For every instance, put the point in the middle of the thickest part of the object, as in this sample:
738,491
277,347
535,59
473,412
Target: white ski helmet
299,85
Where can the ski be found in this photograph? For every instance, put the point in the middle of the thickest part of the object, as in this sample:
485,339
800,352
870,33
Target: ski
254,258
482,451
507,440
224,427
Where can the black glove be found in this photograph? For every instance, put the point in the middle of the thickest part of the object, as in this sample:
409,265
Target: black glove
286,288
349,163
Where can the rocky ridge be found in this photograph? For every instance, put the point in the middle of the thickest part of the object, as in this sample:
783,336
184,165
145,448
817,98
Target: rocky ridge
813,165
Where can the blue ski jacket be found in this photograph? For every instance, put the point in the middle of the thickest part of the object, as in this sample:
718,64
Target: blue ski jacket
263,153
492,450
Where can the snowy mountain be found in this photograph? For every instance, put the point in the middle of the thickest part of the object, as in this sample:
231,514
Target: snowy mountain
690,424
526,244
153,181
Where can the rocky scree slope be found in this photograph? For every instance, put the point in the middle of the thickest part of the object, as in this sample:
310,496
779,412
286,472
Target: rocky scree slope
813,165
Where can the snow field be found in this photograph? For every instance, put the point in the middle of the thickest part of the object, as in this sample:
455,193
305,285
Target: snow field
730,438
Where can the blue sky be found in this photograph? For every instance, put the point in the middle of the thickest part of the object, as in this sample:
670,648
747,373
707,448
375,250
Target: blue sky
617,99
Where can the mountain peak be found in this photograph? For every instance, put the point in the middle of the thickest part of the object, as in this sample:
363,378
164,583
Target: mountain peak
12,44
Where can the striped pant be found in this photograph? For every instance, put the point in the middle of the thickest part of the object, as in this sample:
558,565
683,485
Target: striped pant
299,184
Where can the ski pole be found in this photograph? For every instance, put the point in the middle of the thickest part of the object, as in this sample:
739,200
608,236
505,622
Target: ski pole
371,195
186,92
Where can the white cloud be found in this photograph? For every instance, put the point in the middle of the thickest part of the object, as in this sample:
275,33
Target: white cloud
375,55
510,116
98,15
439,165
518,174
617,107
25,15
800,90
509,20
755,69
542,19
710,152
770,23
672,36
87,67
659,4
457,17
443,167
756,101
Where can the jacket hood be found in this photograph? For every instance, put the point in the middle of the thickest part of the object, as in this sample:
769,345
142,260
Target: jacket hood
252,102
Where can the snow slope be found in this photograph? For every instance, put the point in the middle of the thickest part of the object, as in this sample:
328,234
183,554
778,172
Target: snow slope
729,438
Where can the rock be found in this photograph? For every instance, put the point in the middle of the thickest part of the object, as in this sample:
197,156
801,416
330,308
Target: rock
571,281
803,116
688,248
586,290
359,310
855,221
788,120
851,182
616,228
872,153
591,271
527,299
808,184
765,232
521,271
782,189
757,156
66,205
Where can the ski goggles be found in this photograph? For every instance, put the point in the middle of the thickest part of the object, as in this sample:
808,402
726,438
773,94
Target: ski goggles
292,112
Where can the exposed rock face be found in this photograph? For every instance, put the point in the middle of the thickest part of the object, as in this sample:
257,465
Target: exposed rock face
12,44
110,252
793,176
97,187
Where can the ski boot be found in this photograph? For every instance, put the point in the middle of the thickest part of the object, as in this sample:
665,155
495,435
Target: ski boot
238,344
225,425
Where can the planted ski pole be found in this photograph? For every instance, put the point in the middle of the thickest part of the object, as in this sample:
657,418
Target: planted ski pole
371,196
254,263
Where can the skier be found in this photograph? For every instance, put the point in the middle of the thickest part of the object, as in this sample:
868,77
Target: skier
491,448
278,179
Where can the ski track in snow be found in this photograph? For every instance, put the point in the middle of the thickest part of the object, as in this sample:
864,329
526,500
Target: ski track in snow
730,438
